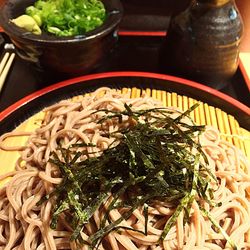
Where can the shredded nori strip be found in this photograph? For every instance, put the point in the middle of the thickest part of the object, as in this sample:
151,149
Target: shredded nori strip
154,161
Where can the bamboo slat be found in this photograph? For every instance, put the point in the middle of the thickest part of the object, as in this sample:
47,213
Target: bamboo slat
180,103
203,115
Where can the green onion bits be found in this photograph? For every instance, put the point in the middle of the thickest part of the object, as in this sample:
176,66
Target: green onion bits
67,17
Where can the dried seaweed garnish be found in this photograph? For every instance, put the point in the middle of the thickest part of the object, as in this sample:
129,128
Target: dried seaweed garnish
154,160
220,229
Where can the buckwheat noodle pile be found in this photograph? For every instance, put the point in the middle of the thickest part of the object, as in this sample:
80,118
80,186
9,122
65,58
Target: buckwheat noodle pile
26,225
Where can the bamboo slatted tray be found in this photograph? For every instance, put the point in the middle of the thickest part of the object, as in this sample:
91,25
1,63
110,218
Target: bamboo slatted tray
203,115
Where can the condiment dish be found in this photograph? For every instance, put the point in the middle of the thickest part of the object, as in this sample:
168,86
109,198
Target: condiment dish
71,55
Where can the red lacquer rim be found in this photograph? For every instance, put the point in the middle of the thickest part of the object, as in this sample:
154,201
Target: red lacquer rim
141,33
72,81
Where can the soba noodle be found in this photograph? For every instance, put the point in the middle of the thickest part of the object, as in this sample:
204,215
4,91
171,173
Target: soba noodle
26,225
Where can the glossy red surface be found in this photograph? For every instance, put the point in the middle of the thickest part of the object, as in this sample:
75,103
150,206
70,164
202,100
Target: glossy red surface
180,81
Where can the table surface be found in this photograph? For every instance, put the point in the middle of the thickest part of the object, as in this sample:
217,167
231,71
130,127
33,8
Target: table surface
133,52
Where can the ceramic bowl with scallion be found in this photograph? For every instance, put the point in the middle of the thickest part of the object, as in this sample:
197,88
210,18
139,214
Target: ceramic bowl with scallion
66,36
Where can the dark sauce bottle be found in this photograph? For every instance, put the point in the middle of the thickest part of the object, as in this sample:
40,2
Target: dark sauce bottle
202,42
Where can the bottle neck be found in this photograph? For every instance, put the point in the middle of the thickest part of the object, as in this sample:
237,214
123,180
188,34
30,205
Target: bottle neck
214,2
